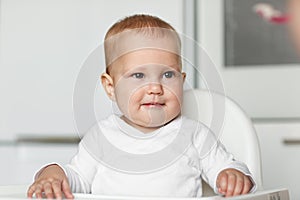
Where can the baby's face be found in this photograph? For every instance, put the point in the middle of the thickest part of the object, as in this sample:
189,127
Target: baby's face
148,87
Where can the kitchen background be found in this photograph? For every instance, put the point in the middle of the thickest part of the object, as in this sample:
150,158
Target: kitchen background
44,43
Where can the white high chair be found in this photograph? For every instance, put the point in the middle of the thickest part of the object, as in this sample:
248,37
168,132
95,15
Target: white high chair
236,130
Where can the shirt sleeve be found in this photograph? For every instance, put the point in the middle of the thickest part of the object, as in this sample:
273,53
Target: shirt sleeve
214,158
83,166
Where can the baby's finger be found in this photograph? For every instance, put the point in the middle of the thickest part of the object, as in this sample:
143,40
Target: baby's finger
239,185
247,185
67,190
56,186
38,191
230,184
30,191
48,190
222,183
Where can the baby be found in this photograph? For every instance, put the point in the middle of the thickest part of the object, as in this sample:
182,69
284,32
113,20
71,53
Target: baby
150,149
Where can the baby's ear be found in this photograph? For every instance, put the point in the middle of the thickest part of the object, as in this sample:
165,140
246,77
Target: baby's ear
108,85
183,75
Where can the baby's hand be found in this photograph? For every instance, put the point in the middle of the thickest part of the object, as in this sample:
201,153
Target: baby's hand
53,182
231,182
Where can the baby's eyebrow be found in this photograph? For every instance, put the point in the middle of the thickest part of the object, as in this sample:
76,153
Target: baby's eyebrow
130,67
177,66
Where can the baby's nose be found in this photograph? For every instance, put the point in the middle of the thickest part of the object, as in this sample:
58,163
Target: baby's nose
155,88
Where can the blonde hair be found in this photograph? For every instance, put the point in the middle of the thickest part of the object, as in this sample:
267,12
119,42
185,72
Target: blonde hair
142,24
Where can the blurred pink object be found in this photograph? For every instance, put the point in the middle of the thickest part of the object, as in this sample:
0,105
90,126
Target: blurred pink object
270,14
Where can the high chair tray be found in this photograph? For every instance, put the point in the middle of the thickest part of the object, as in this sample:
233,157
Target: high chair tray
19,192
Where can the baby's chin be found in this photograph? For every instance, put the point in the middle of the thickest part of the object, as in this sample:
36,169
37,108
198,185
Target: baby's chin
150,125
144,125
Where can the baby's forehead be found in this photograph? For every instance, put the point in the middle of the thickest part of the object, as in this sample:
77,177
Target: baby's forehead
135,40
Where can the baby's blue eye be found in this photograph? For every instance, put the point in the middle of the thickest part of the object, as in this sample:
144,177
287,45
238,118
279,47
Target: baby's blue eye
169,74
138,75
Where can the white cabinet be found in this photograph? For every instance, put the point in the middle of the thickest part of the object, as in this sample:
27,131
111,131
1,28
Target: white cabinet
280,149
19,162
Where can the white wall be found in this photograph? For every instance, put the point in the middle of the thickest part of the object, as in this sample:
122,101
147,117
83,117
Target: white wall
43,46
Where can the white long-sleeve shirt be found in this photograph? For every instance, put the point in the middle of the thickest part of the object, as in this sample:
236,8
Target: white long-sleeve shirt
116,159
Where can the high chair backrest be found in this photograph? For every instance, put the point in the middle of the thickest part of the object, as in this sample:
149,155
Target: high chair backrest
227,120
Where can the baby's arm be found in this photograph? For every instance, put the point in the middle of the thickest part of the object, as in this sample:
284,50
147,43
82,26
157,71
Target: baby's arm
231,182
53,182
219,168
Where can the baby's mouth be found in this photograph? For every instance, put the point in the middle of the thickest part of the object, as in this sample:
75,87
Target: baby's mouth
153,104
